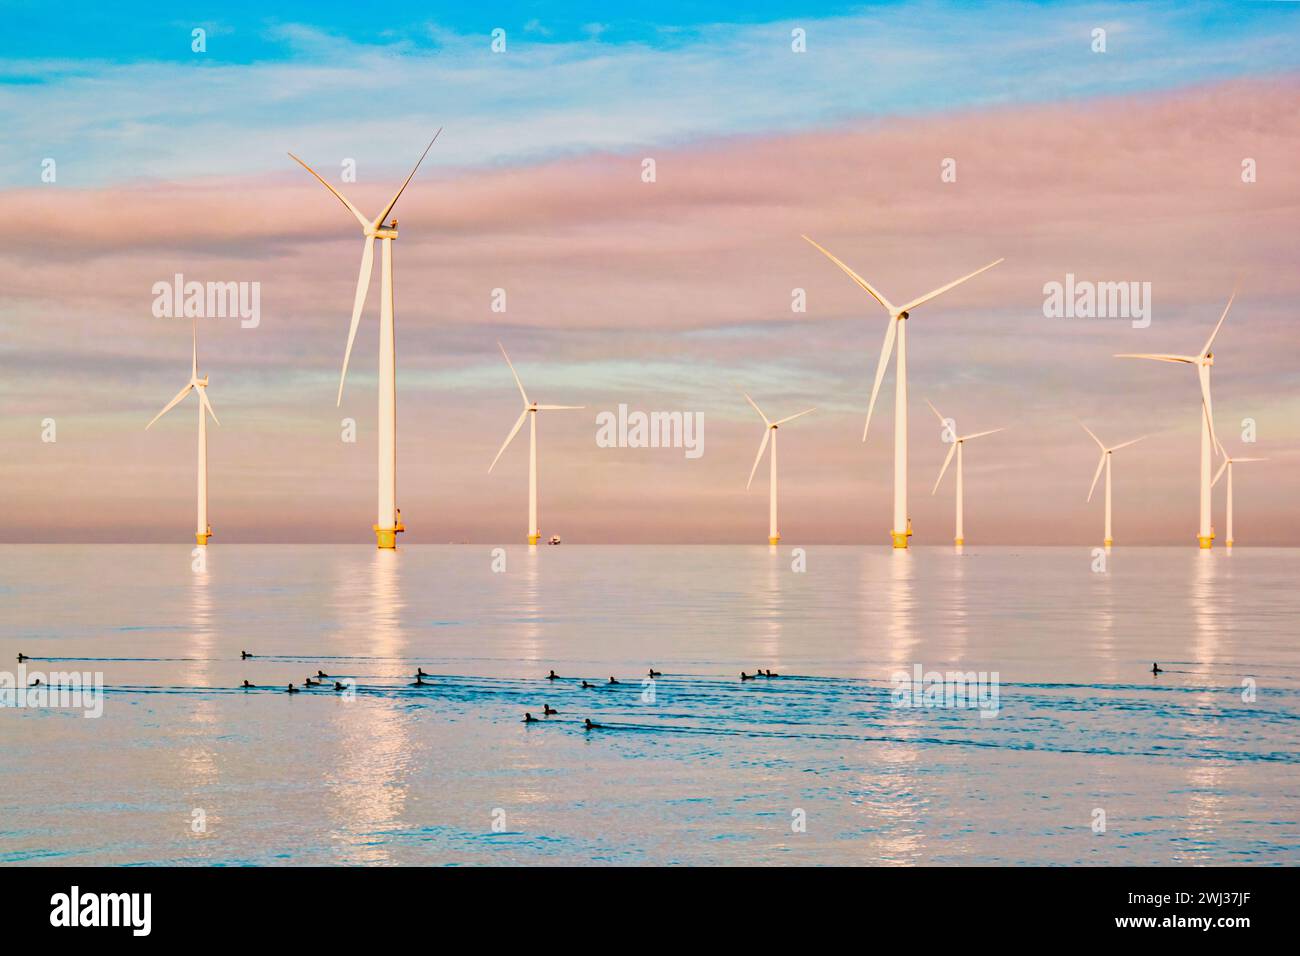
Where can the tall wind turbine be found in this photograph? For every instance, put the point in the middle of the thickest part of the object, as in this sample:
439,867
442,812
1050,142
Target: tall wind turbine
958,442
898,314
202,530
1203,361
1228,462
1105,463
773,533
389,520
530,411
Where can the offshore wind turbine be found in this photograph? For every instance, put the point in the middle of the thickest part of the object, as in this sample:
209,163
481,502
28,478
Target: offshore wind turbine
530,411
898,314
202,530
1228,462
1105,463
958,442
769,432
388,521
1209,443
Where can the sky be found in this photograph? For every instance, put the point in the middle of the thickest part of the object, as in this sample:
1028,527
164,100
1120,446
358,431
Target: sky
130,158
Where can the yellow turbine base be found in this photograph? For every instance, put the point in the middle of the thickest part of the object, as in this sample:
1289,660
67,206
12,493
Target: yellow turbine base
900,538
959,541
386,538
534,538
202,539
1206,540
1229,543
1108,542
774,539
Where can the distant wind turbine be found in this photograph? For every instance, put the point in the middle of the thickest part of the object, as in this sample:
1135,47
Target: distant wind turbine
202,530
389,521
1105,463
1209,443
769,432
958,442
530,411
898,314
1228,462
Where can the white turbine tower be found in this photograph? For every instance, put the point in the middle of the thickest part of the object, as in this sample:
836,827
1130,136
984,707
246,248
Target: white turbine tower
1228,462
958,442
389,519
769,432
202,530
530,412
1104,462
1209,443
898,314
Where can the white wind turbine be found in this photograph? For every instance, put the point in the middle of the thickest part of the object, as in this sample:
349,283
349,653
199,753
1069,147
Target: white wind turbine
898,314
530,412
1228,462
958,442
773,533
1105,463
389,519
202,530
1203,361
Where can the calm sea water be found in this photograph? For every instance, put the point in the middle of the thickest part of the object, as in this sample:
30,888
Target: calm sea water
712,770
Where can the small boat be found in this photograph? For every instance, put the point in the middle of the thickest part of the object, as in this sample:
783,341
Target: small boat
554,539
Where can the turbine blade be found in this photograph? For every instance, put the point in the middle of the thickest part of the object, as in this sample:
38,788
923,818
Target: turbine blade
1236,460
389,208
756,408
1100,465
1127,443
952,450
203,396
365,223
1159,358
790,418
937,414
1210,341
509,438
170,405
767,433
991,431
556,408
944,288
1203,373
513,372
1094,437
358,303
855,277
885,351
1219,474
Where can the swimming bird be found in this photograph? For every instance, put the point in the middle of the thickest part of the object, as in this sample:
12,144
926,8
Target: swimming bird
552,676
321,673
35,683
547,710
744,676
339,685
770,674
655,673
23,657
419,672
247,685
1156,669
244,655
529,718
586,686
419,681
311,683
590,726
612,681
291,689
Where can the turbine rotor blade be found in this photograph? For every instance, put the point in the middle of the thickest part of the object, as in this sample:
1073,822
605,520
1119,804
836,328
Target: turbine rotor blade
556,408
358,303
1236,460
756,408
952,450
170,405
1127,443
767,433
1094,436
790,418
1219,474
1210,341
365,223
1158,358
1100,465
937,414
885,351
855,277
509,438
203,396
1203,373
513,372
389,208
991,431
951,285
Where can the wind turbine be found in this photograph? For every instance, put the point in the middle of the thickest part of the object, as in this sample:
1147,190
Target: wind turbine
1105,463
898,314
202,530
773,534
1228,462
389,520
958,441
530,411
1203,360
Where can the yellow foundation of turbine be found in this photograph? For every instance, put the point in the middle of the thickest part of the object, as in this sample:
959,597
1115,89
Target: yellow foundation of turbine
1108,542
386,538
1229,544
202,539
900,538
534,538
1206,540
959,541
774,540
